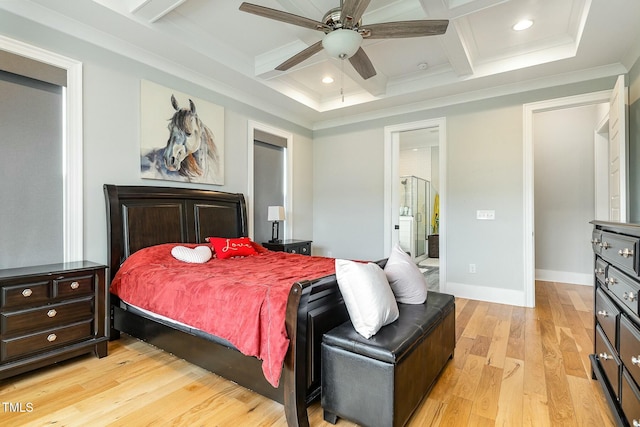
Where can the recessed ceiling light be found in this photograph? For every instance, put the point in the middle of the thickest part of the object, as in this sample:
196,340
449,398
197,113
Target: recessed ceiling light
522,24
327,80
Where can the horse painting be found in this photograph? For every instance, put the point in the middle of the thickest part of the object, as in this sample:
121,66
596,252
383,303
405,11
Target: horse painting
190,153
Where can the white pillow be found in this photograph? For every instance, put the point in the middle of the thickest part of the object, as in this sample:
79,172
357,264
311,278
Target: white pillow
199,254
407,281
367,295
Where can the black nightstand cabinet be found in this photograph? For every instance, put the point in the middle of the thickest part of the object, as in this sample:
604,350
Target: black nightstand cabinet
302,247
50,313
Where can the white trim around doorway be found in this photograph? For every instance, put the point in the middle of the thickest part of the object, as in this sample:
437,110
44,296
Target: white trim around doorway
528,177
391,167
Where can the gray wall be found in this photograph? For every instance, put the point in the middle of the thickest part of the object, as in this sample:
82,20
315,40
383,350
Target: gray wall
111,96
564,191
337,173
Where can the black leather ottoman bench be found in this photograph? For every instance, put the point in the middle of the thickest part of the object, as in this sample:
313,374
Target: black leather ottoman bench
380,381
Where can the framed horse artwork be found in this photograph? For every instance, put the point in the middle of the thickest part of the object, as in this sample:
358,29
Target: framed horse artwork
181,138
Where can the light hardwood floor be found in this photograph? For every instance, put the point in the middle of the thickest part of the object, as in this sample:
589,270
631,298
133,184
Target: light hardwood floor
513,366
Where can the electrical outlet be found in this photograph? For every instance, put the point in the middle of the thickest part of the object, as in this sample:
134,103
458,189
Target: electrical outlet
472,268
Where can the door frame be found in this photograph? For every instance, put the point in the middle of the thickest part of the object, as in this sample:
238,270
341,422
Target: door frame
73,210
391,176
528,176
252,126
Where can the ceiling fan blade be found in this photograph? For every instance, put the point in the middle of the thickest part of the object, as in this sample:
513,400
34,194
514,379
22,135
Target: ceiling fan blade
362,64
299,57
406,29
287,17
354,9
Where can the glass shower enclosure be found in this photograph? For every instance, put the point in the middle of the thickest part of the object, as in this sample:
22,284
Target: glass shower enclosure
415,214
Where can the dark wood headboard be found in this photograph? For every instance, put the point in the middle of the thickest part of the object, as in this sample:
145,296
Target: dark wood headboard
140,216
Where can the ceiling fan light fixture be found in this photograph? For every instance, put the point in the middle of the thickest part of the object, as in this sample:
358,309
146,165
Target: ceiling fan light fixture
342,44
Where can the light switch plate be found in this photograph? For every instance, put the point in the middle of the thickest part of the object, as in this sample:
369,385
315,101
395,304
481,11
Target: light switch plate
486,214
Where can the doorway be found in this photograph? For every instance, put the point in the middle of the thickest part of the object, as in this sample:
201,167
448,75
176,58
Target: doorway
393,135
283,147
529,112
72,142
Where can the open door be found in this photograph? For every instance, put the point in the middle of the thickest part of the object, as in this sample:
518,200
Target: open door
618,143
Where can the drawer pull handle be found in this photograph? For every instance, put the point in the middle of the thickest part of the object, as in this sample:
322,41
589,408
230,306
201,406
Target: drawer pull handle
605,356
605,245
626,252
52,337
610,281
636,423
630,296
635,360
27,293
52,313
603,313
595,241
75,285
599,271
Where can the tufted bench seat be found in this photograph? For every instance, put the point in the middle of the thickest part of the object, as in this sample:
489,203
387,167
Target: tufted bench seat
380,381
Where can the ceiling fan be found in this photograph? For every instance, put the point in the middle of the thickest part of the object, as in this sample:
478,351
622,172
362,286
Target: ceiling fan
344,32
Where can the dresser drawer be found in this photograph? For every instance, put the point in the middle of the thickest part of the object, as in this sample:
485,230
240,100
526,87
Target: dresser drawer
70,287
630,399
607,315
11,348
624,288
630,347
601,270
620,250
596,240
46,317
608,360
25,294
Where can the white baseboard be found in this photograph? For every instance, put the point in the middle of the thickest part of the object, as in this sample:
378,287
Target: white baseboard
484,293
564,277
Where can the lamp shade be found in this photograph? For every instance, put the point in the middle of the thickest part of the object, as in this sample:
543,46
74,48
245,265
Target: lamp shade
342,43
276,213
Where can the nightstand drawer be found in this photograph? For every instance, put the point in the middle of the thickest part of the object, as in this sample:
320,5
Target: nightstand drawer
46,317
302,249
73,286
25,294
16,347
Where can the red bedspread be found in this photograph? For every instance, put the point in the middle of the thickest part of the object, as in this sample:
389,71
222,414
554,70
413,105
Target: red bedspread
242,300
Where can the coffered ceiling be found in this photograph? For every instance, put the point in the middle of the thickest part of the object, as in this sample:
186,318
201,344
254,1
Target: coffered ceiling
213,41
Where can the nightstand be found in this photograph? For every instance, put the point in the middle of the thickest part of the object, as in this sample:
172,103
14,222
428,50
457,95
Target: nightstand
302,247
49,313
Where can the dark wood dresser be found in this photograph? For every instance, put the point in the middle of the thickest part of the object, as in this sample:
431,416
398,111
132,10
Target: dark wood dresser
50,313
293,246
616,359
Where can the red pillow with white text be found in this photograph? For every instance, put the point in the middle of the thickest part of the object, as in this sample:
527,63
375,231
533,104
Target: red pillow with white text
225,247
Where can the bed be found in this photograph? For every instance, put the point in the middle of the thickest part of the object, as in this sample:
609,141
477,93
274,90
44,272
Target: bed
140,217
